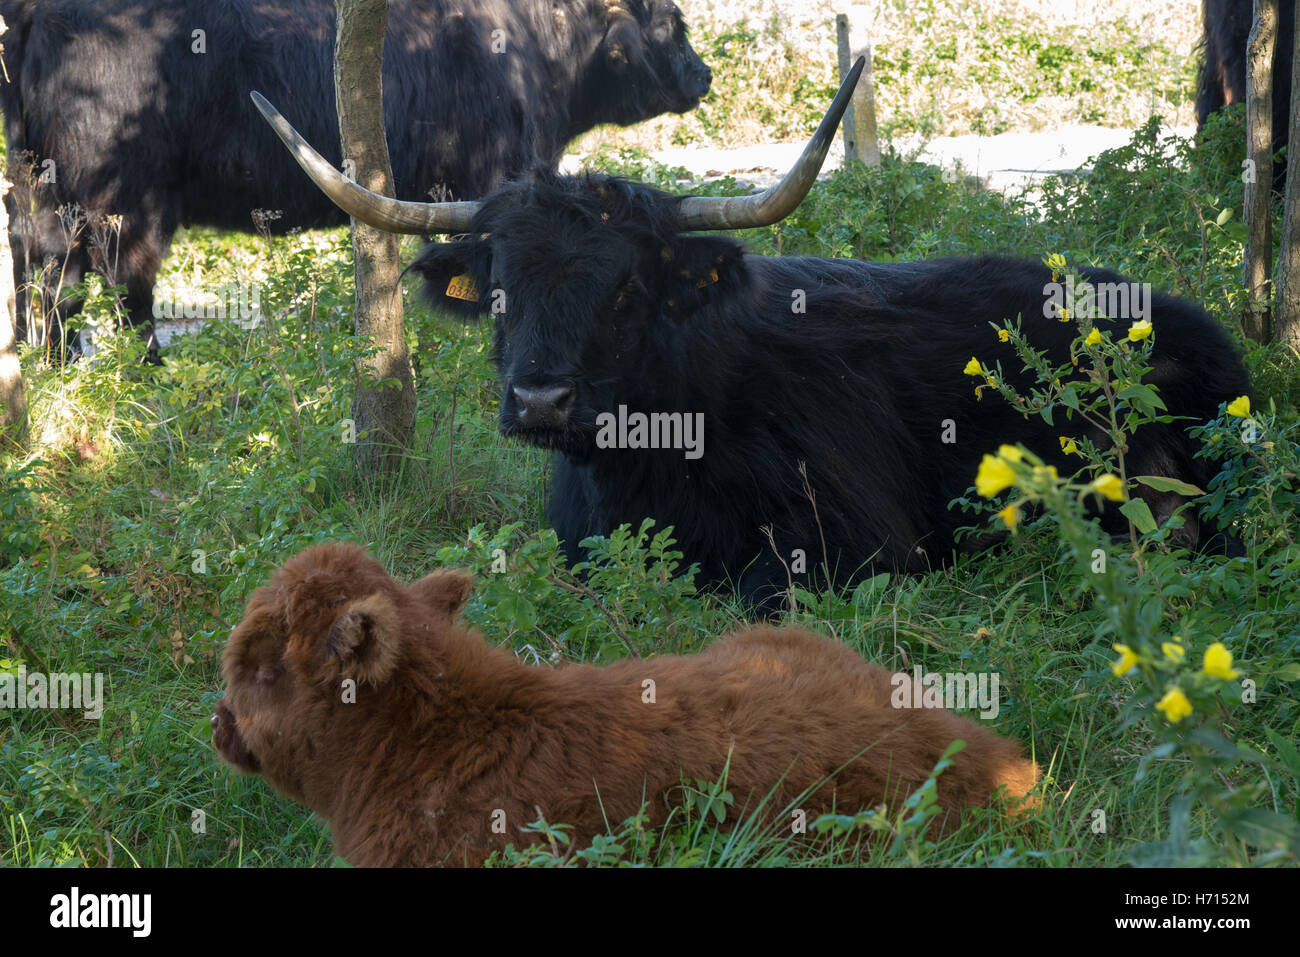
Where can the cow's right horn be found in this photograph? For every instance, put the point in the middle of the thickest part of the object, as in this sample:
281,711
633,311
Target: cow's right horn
777,201
382,212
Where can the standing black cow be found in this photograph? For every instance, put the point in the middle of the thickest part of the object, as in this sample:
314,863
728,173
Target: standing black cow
126,106
607,308
1222,80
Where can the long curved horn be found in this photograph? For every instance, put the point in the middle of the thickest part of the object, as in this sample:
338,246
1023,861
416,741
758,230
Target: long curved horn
777,201
382,212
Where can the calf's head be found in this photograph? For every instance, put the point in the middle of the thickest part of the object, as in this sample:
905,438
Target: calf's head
329,616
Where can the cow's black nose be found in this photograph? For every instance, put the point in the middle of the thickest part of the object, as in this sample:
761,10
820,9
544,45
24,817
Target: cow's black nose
547,407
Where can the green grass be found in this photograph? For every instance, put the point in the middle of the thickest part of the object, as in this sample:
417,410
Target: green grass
152,501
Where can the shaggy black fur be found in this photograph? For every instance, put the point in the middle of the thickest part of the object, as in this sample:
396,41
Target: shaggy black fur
601,292
138,123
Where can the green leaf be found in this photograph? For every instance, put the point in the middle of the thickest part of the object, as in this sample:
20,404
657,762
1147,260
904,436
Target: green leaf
1142,396
1288,672
1263,828
1162,484
1136,511
1286,752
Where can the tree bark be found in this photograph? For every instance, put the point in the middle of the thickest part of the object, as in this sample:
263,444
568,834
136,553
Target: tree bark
1258,260
13,400
384,407
1288,264
861,140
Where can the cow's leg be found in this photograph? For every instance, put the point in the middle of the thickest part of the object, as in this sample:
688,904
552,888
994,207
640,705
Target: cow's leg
138,250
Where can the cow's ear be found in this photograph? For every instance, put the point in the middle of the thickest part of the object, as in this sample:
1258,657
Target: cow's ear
622,47
444,592
698,270
363,642
456,276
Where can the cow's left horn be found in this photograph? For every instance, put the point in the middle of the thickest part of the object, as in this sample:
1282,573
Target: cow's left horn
777,201
382,212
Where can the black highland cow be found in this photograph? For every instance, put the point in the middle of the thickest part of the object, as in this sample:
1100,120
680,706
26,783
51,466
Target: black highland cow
610,301
140,107
1222,79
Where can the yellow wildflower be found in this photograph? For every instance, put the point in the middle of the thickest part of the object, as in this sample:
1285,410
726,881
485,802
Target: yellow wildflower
1127,659
1010,453
1110,486
1068,445
1240,406
1093,338
973,367
1004,336
994,475
1139,331
1173,650
1218,662
1175,705
1010,517
1056,263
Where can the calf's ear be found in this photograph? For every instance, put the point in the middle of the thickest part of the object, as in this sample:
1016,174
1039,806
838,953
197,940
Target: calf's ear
444,592
456,276
363,642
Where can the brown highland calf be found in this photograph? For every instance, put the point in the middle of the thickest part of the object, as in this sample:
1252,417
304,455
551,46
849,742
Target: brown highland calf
442,741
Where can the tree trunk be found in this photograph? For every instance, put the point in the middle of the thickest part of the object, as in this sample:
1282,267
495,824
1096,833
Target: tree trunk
1258,264
384,408
13,401
861,141
1288,264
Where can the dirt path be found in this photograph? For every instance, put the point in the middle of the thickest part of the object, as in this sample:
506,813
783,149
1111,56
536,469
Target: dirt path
1008,162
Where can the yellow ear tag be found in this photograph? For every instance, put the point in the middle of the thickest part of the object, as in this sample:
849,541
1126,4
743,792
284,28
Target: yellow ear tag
463,287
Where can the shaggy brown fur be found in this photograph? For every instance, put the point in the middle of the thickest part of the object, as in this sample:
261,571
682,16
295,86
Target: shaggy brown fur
448,731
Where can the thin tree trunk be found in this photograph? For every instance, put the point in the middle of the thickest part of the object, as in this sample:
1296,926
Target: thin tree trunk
13,401
1288,265
1258,265
861,140
384,408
